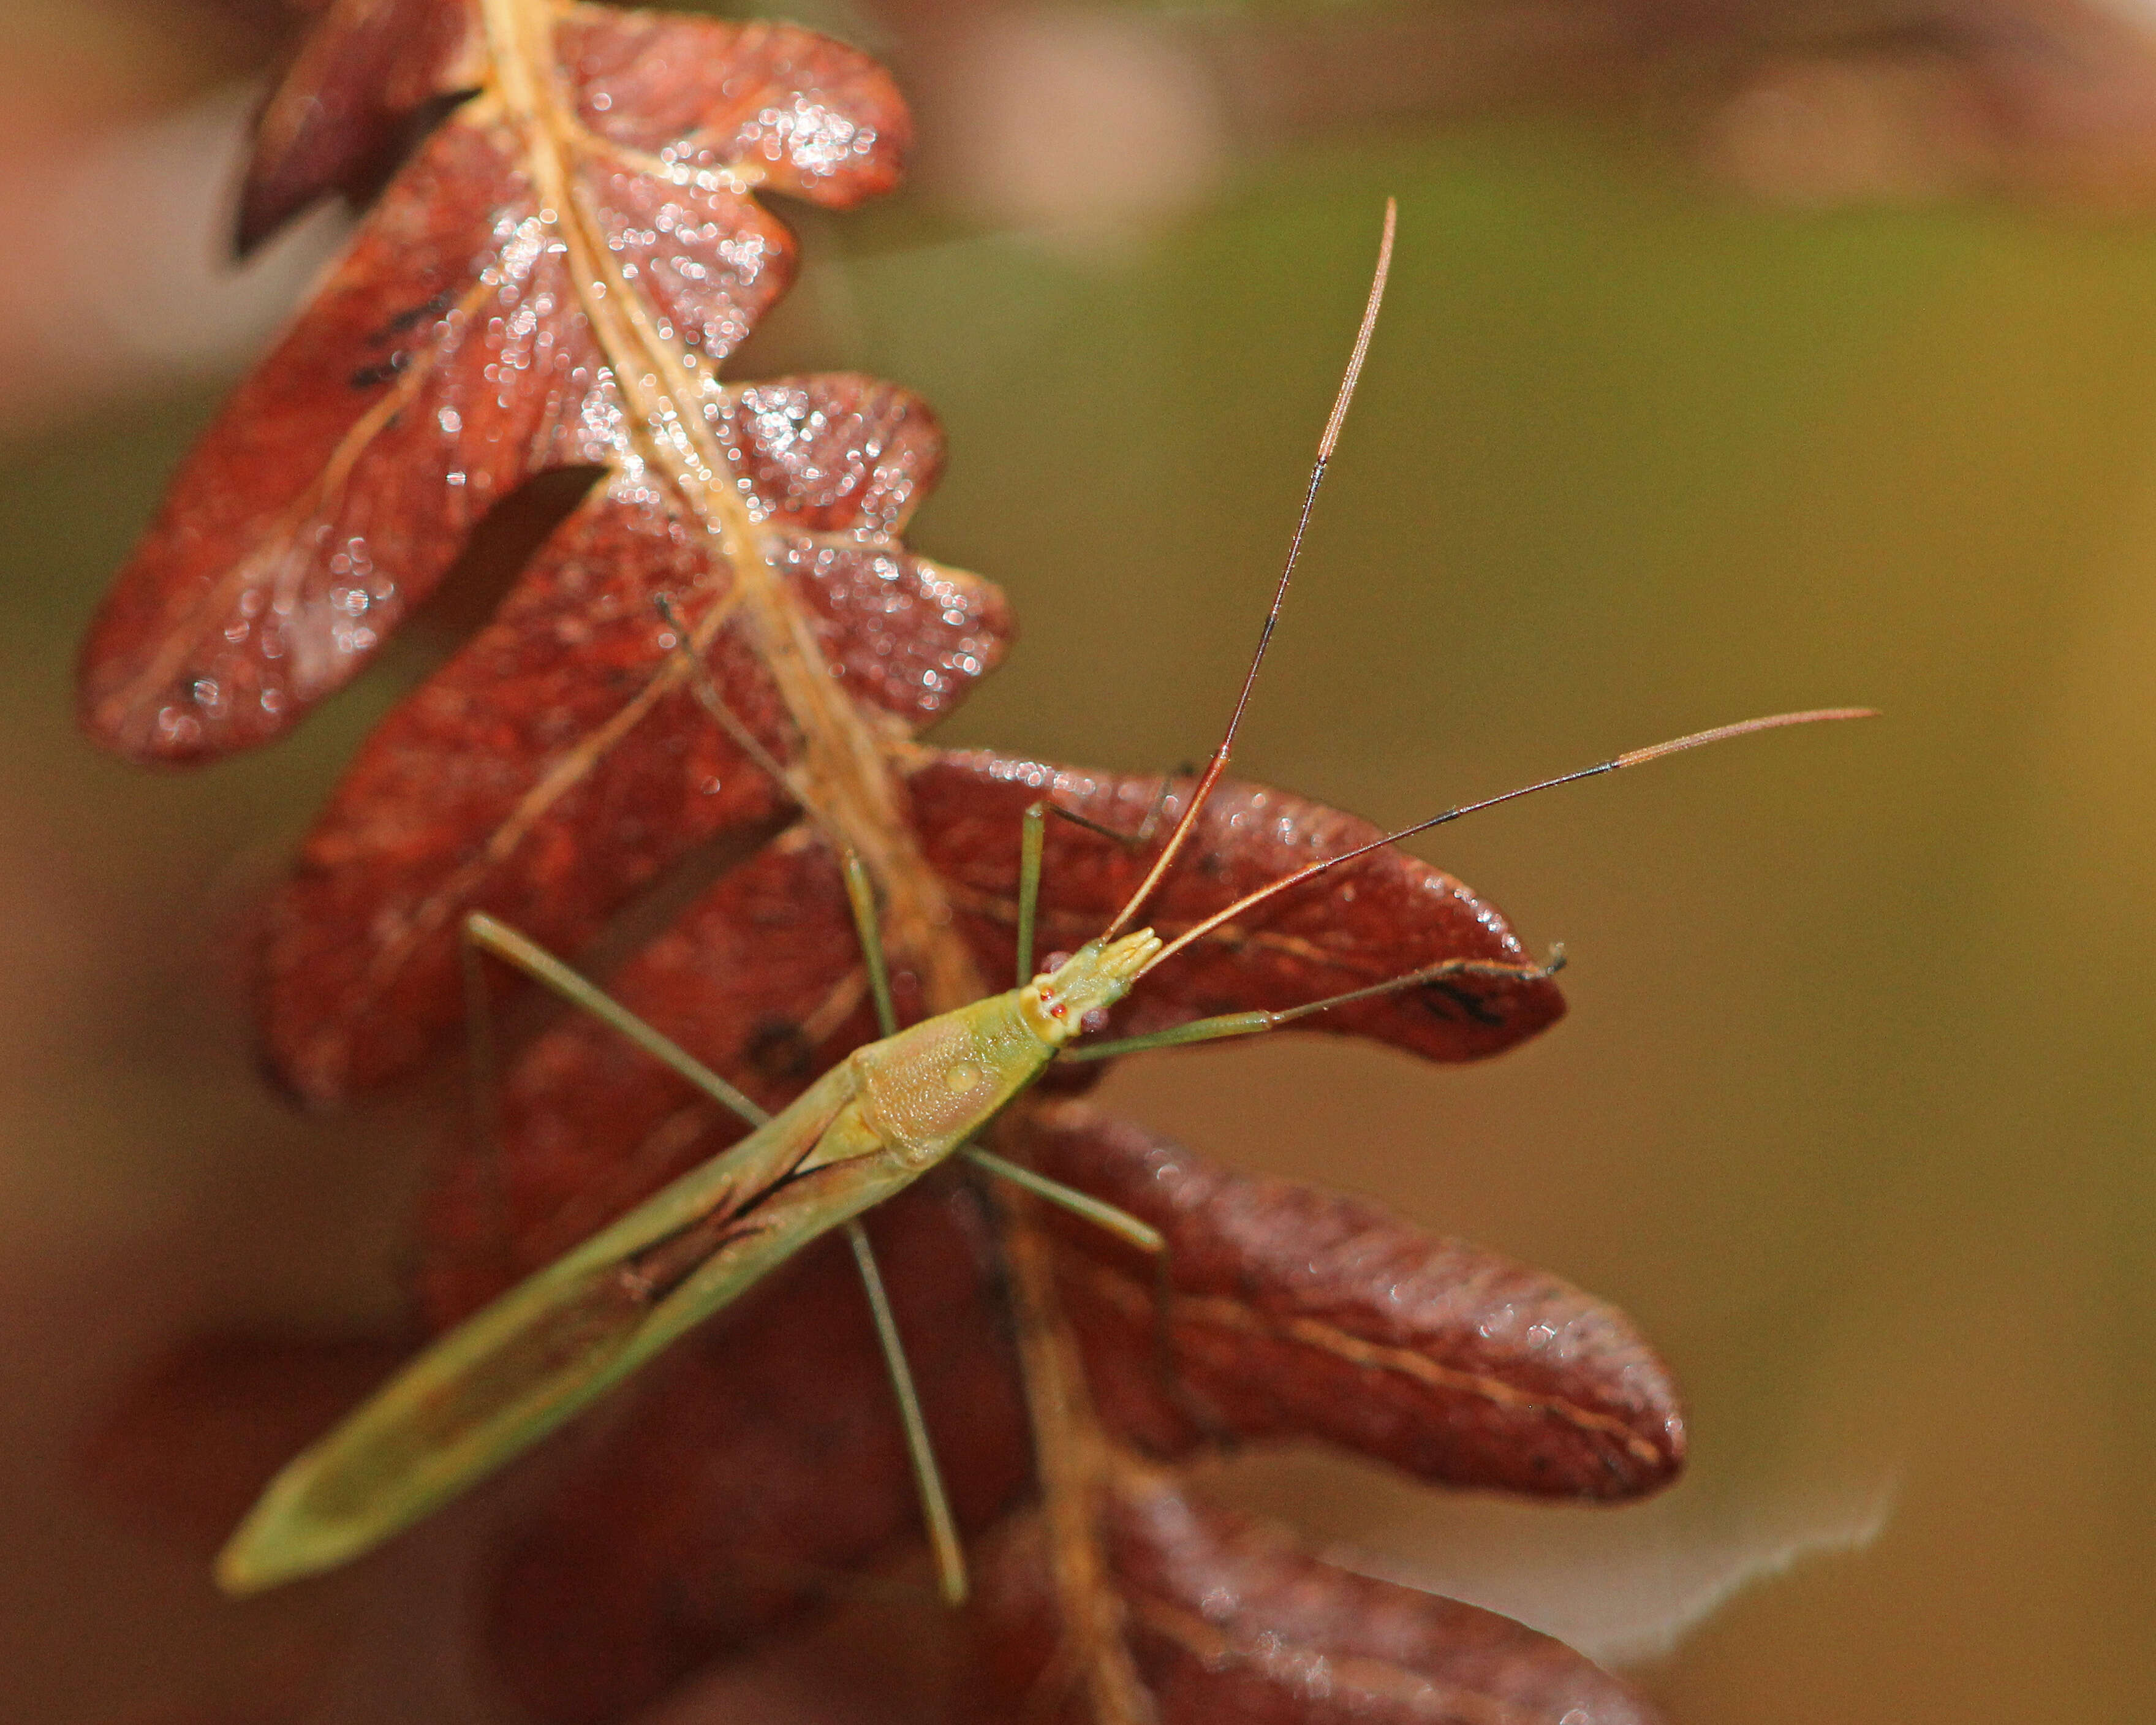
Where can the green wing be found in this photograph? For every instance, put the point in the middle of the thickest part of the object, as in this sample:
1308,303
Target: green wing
491,1389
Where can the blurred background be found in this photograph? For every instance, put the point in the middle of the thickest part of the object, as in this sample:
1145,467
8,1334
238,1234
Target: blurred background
1731,363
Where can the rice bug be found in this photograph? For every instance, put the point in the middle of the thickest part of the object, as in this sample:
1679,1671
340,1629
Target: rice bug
880,1119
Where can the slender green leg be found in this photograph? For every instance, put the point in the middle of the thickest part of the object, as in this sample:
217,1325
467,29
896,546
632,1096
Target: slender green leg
481,935
935,1500
1101,829
1031,837
1118,1222
861,893
1121,1222
1151,824
485,933
1145,828
1125,1227
1251,1024
920,1448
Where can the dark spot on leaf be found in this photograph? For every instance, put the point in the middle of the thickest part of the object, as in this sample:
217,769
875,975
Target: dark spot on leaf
780,1050
1447,1000
425,312
367,377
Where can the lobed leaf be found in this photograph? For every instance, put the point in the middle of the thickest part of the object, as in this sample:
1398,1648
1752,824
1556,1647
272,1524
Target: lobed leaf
586,215
1297,1315
759,1469
1366,923
338,119
1226,1619
760,979
560,762
452,354
1300,1313
742,1480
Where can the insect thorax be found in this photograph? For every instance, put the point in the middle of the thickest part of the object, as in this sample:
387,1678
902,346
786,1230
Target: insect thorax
929,1088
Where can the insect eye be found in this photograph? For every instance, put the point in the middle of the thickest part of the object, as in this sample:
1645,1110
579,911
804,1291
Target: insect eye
1095,1021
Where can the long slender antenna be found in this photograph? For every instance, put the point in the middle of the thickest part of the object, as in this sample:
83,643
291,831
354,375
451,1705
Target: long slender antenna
1218,764
1634,757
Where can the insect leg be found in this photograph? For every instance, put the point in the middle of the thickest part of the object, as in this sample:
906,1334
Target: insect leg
706,689
861,893
1251,1024
1118,1222
1102,1215
1032,835
928,1480
920,1448
1151,824
1129,1228
1142,835
483,933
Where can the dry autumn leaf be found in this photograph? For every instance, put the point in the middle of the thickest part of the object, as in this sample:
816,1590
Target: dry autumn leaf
553,279
705,1513
1227,1620
1299,1313
761,979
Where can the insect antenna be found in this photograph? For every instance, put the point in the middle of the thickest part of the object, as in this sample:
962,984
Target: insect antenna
1617,764
1218,764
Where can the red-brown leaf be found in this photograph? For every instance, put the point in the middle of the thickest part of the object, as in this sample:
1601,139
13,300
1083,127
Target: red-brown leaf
1364,923
789,109
337,118
473,339
1227,1620
450,357
557,764
1299,1313
760,1466
760,979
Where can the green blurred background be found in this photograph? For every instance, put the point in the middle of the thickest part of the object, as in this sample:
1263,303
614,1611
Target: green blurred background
1852,1108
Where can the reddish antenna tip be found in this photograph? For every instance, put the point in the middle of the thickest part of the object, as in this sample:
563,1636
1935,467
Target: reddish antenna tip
1743,727
1617,763
1218,764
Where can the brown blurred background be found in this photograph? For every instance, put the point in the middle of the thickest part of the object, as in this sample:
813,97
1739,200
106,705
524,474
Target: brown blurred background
1750,367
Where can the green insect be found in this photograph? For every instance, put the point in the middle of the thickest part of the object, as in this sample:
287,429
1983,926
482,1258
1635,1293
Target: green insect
891,1110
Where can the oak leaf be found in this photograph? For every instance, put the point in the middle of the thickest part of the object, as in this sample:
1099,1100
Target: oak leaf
462,345
1229,1620
550,281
